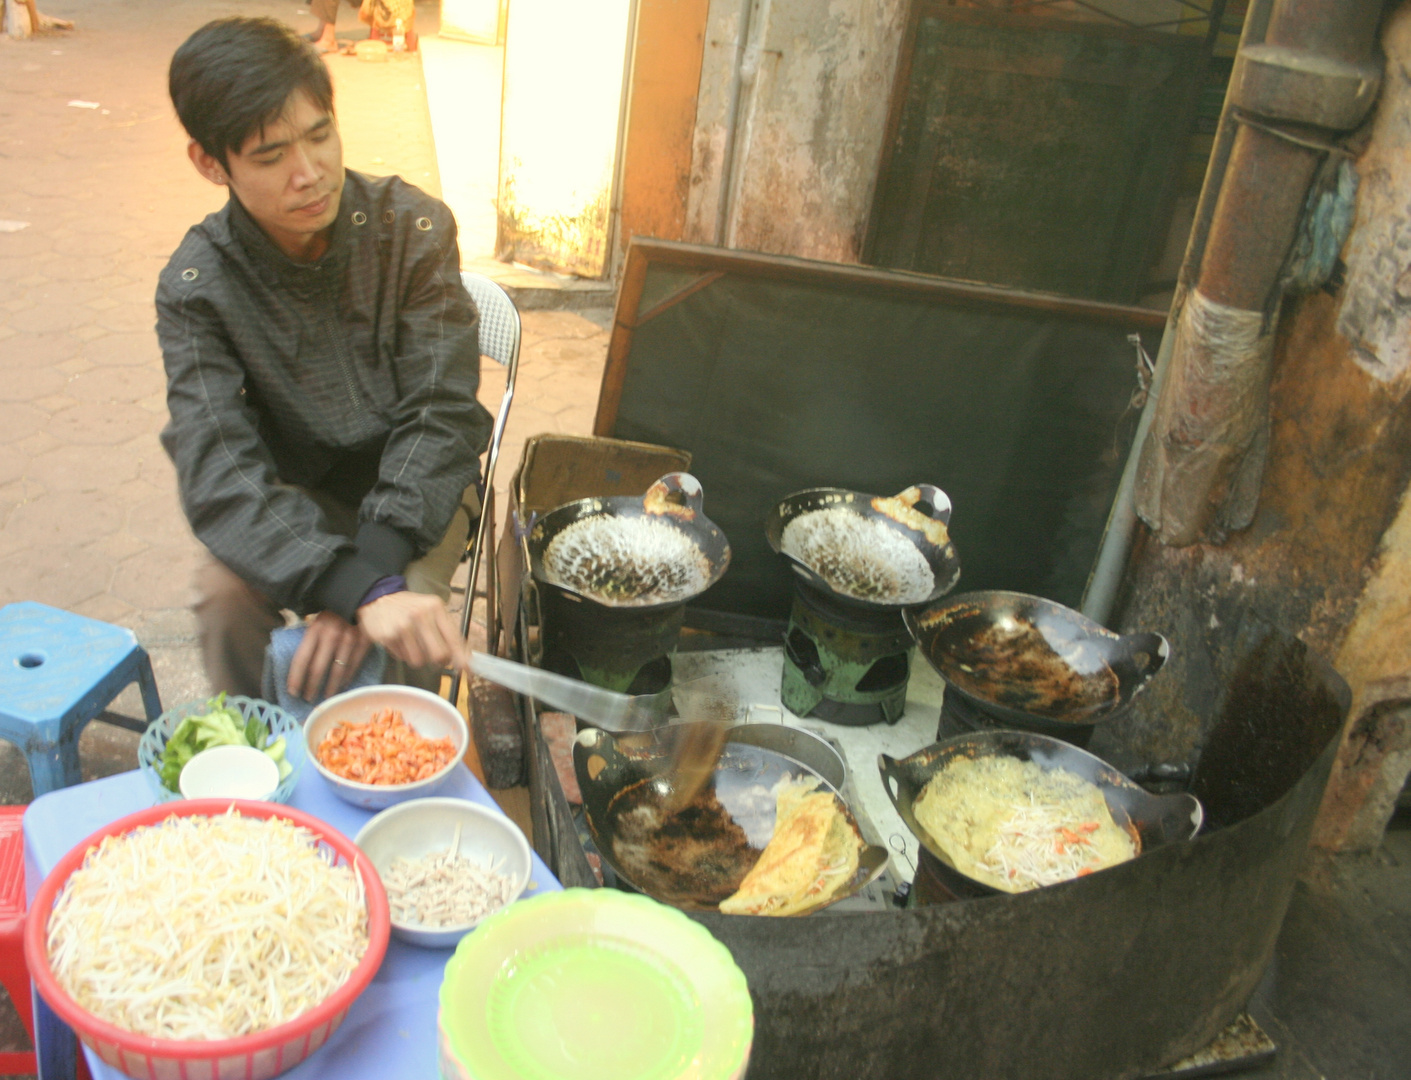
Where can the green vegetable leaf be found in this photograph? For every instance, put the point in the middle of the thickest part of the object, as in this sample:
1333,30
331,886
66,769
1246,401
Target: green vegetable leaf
219,725
256,732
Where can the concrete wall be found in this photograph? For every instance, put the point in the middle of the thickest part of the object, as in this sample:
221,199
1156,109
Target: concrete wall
1328,555
661,117
789,123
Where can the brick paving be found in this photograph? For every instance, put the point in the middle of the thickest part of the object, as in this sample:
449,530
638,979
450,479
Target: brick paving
89,519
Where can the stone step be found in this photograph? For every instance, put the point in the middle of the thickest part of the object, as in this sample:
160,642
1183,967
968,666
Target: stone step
537,290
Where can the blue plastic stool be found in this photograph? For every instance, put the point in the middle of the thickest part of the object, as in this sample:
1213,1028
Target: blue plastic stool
58,671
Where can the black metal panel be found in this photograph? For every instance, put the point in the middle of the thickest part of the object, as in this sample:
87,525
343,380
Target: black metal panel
1105,977
1036,152
781,375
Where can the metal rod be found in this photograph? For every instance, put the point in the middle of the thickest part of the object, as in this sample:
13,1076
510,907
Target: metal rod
1100,595
486,522
617,245
727,152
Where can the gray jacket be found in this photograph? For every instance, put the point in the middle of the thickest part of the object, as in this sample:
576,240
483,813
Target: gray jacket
354,375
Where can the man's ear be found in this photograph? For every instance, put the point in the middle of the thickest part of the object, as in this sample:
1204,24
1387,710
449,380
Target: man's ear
205,164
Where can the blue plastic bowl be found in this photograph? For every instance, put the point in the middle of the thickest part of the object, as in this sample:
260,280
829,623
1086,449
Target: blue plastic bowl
154,742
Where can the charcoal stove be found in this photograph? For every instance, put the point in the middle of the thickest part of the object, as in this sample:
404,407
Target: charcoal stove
845,665
622,649
611,613
846,649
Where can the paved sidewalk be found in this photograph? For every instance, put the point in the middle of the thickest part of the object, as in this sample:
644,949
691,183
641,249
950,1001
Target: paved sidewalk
89,519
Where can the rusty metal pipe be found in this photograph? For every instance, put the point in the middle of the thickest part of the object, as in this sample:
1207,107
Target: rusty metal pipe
1256,217
1266,179
1341,29
1309,76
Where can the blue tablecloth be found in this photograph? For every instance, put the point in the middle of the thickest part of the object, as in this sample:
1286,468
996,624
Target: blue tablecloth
390,1032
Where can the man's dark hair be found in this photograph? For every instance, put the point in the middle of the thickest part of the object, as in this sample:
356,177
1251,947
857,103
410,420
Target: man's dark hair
233,77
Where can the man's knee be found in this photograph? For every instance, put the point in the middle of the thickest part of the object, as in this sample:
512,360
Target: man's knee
222,597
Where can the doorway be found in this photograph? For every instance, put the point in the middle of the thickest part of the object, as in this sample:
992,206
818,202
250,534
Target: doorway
526,100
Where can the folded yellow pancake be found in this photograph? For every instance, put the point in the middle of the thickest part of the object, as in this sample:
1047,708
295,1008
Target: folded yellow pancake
813,853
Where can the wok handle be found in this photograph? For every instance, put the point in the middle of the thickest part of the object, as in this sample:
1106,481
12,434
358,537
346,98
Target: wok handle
673,490
1152,647
931,496
892,782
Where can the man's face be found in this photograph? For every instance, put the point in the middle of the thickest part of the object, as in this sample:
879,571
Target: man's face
289,176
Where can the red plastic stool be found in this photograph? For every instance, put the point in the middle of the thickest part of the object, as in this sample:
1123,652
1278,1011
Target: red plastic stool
14,975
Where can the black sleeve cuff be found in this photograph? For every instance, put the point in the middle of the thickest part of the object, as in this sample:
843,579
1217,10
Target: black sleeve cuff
343,585
384,547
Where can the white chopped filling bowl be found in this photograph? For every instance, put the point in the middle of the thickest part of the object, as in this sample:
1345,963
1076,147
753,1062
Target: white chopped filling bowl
427,828
432,716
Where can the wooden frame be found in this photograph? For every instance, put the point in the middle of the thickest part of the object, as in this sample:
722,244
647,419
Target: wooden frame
714,263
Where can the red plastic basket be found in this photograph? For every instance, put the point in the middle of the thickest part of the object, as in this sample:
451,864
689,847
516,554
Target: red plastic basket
259,1056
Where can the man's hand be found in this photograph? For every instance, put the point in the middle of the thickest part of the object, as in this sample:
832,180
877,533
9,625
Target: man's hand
331,647
415,628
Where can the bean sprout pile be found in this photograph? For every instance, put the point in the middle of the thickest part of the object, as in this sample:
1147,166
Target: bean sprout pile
207,927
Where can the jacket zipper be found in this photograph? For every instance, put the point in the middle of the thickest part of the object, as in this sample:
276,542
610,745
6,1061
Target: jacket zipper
330,327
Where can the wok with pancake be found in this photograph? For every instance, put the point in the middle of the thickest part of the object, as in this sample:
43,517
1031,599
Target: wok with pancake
697,855
859,548
639,552
1149,820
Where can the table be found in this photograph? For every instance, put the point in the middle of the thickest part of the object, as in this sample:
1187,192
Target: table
391,1028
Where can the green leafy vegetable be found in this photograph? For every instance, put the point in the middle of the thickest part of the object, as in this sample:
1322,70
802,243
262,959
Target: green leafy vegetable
219,725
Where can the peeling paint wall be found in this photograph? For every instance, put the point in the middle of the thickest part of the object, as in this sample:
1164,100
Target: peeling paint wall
790,122
1376,310
661,117
1328,555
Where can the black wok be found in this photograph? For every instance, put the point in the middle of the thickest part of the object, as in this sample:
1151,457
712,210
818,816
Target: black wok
1151,820
1024,659
927,508
675,500
694,857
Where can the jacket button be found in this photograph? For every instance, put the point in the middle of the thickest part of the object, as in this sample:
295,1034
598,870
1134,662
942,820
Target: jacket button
359,218
389,216
190,274
424,224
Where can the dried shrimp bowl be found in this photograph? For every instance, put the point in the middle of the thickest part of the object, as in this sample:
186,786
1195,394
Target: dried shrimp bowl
433,719
224,952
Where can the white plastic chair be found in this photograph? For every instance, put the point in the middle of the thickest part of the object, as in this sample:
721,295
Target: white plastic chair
499,340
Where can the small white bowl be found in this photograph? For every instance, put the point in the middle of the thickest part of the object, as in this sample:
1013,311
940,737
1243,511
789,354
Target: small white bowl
425,826
432,716
229,772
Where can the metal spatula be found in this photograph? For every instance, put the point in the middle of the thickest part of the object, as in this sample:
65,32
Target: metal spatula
602,708
694,751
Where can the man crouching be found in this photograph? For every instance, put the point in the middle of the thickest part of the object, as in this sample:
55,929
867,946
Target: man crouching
322,360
